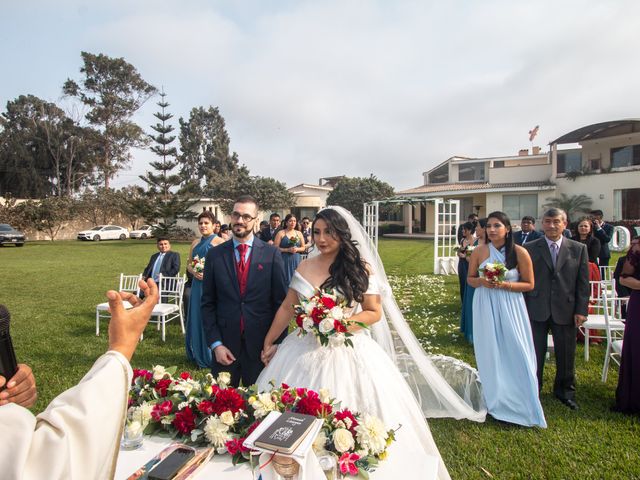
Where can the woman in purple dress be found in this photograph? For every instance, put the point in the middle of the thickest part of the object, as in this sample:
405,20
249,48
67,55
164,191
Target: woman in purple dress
628,391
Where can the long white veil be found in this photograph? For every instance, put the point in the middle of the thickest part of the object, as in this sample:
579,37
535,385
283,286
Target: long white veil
443,386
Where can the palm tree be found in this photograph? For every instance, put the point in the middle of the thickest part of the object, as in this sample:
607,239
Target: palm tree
571,204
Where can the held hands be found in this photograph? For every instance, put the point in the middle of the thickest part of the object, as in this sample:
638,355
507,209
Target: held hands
223,355
126,326
267,353
21,388
579,319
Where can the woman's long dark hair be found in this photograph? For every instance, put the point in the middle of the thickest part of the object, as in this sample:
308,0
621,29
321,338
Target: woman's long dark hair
483,224
510,256
348,273
576,232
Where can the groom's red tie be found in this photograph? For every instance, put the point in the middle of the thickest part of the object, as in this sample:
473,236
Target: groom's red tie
242,271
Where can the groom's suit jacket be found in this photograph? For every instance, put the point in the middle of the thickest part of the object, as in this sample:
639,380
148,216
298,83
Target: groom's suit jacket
222,304
562,292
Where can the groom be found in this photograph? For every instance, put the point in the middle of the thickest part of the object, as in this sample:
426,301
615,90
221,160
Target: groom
243,287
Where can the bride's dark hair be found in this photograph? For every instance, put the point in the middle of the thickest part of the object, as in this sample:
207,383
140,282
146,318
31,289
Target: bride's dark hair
348,273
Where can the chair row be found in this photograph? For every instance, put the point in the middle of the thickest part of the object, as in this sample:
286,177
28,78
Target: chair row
169,307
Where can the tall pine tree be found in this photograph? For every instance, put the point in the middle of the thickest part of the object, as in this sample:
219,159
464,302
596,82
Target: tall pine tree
167,201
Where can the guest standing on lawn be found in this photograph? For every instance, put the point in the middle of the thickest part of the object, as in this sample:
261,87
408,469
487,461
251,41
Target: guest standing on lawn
501,332
291,244
628,391
560,300
466,317
463,250
196,343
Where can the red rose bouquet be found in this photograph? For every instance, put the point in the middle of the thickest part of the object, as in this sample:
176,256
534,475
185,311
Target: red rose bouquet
494,272
325,315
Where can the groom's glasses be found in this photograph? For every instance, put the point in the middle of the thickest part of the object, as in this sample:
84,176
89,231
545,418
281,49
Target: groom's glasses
245,217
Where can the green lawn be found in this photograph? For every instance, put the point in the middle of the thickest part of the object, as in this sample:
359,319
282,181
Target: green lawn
52,290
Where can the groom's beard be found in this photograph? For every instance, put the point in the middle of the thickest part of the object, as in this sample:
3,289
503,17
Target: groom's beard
241,233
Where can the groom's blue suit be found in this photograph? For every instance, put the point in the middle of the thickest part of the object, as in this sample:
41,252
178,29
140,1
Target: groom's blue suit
223,305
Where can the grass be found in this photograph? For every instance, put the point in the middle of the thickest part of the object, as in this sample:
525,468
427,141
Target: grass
52,290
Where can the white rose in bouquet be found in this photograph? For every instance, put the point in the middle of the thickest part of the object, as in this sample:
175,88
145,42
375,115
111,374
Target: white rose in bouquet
325,396
337,313
326,325
227,418
343,440
224,379
159,372
307,324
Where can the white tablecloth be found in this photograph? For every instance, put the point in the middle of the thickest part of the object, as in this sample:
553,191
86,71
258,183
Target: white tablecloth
130,461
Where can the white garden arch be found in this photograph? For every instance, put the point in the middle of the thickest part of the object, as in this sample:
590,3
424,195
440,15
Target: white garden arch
445,226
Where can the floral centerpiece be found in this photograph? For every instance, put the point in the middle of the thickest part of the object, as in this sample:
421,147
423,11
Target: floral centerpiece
197,264
494,272
212,413
325,315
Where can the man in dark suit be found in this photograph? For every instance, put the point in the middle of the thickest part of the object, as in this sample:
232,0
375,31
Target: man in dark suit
603,232
243,287
268,234
559,301
164,262
528,232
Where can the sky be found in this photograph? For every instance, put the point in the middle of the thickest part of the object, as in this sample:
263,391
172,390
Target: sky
312,89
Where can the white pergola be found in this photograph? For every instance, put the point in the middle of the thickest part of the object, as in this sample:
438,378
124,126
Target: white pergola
445,225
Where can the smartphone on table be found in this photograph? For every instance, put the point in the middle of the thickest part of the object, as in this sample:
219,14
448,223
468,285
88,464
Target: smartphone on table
171,465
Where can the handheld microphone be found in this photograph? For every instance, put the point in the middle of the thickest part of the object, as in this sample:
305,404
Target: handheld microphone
8,364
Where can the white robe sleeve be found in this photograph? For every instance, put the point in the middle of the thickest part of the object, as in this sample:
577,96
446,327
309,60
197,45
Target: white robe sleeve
77,436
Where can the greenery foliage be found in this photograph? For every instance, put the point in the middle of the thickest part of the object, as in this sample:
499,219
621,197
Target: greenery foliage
352,193
573,205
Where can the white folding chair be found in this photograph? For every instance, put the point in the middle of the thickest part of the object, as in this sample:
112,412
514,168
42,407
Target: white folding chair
606,272
169,307
596,318
128,283
614,336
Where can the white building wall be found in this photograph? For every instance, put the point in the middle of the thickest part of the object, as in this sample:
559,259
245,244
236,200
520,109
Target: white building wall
530,173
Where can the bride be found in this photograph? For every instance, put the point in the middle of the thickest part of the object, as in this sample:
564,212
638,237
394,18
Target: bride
386,372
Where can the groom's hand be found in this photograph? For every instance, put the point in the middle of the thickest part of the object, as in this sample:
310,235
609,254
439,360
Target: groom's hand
267,354
223,355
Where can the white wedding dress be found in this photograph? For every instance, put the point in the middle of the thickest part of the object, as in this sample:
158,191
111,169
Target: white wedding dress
364,379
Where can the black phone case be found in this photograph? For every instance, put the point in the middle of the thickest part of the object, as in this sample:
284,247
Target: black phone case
168,467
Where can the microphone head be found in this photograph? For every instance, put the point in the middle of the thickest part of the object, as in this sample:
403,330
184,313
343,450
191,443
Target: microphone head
5,317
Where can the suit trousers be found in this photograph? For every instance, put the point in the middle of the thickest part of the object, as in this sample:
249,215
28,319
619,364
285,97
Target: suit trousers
564,342
244,368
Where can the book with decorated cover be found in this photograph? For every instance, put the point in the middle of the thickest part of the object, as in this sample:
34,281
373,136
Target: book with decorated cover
286,432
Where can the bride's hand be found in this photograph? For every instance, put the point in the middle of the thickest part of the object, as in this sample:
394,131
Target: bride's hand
267,353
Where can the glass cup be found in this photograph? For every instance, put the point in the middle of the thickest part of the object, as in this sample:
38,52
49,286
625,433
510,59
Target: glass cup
132,437
329,465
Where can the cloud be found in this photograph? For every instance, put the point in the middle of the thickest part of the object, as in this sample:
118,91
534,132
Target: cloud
311,89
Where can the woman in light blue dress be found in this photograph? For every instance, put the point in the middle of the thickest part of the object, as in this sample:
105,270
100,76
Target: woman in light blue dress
196,343
290,241
466,317
502,337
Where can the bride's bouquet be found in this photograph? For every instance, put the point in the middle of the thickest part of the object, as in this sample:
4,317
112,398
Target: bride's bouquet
325,315
197,264
494,272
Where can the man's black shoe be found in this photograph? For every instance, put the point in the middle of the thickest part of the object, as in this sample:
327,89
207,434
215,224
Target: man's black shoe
569,403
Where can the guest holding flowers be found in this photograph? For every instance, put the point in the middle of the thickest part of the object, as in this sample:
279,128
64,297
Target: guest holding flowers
291,243
466,317
628,391
196,344
464,251
500,271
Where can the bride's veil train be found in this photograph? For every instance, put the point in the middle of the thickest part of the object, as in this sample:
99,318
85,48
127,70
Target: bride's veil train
443,386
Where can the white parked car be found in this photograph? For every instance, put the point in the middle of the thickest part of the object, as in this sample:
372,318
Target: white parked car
145,231
104,232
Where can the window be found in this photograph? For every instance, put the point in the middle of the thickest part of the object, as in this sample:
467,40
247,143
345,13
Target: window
498,164
625,156
627,204
569,161
517,206
471,172
440,174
